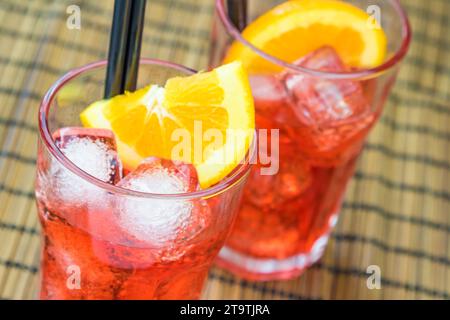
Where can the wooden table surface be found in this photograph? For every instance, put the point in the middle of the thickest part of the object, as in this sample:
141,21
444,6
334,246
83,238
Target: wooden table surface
396,213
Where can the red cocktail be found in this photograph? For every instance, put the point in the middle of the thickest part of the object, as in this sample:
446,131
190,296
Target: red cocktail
122,232
306,61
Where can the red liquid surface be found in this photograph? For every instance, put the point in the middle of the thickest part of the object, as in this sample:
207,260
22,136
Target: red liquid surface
323,124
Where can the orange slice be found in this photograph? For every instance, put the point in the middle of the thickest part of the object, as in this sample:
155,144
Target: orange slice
206,119
295,28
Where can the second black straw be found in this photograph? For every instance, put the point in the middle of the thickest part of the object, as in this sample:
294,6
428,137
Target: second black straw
237,11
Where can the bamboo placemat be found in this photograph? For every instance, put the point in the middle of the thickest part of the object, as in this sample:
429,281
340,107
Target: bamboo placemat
397,209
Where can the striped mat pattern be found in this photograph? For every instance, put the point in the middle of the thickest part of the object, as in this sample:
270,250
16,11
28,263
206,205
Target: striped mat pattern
397,209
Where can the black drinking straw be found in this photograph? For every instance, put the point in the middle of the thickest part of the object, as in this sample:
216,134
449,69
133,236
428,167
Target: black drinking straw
124,46
117,48
237,11
134,44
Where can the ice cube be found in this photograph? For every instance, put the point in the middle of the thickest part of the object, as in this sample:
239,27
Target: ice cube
91,150
268,91
152,220
271,103
330,112
293,178
317,100
323,59
155,175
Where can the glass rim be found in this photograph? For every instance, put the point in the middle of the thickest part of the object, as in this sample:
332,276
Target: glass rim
234,178
358,74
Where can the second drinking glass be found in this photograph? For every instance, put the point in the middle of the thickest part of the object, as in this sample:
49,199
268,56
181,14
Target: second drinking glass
318,102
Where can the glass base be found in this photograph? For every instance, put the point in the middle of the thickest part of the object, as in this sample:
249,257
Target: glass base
259,269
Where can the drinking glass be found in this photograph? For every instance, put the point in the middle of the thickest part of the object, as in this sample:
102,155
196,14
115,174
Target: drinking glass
101,241
320,114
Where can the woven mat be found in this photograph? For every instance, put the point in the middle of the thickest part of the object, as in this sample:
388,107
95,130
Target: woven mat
397,209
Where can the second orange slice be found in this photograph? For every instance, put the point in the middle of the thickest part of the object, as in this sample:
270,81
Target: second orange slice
295,28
